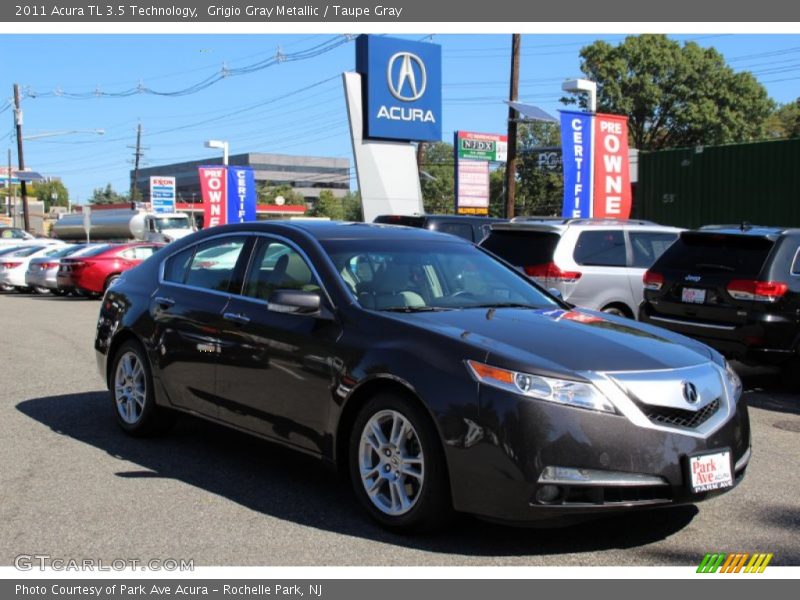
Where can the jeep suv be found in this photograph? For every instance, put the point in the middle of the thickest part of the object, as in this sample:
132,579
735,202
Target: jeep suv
736,288
594,263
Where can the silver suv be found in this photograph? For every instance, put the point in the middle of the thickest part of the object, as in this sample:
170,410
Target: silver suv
595,263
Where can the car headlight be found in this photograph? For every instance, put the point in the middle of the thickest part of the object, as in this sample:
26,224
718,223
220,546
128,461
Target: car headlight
560,391
732,382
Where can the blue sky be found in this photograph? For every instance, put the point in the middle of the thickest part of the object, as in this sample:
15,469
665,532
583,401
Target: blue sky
292,107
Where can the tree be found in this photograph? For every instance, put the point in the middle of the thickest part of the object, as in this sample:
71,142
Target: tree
329,206
107,195
51,193
540,187
785,121
675,95
437,179
352,207
267,194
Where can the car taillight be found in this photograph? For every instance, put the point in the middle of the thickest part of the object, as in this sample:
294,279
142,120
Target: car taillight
552,272
49,265
652,280
760,291
10,265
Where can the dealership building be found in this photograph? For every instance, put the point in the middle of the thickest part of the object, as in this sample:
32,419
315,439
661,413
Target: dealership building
307,175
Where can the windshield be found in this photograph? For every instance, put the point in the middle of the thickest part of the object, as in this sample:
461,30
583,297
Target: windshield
172,223
398,275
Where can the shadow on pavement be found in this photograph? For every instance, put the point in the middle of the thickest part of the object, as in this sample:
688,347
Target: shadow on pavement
278,482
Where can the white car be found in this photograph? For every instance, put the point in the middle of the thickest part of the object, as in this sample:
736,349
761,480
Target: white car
14,264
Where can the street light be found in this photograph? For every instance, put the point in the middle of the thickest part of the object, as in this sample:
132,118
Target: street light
576,86
221,145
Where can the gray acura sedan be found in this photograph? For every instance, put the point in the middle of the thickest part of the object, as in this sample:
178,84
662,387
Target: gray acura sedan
434,375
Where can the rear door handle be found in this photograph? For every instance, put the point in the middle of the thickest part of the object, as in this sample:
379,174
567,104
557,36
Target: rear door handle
236,317
164,302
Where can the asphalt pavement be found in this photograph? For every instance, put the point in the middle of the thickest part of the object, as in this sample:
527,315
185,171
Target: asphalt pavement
73,486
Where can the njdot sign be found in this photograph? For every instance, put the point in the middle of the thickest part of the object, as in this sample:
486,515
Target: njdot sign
482,146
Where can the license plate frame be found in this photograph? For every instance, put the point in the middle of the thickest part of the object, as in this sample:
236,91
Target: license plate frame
710,471
691,295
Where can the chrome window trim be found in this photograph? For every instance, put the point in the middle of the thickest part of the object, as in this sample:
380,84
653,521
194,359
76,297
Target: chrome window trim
245,234
693,324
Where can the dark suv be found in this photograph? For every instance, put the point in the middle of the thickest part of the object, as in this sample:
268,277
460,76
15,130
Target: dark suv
736,288
470,227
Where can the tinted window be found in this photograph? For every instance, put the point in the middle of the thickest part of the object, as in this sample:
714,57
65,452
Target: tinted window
739,255
96,250
276,266
430,275
177,266
796,263
27,251
600,248
462,230
213,263
648,246
522,248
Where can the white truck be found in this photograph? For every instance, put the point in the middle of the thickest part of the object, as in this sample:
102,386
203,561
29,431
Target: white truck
124,225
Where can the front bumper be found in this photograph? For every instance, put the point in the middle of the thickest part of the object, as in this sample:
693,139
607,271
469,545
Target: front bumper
499,476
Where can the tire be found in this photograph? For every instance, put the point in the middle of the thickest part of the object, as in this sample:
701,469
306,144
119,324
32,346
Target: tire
111,279
790,374
416,500
58,292
132,394
41,290
617,311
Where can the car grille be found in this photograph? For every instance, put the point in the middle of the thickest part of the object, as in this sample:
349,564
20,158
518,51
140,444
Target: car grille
677,417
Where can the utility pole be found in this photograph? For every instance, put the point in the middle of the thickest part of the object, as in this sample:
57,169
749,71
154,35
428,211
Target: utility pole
420,154
137,154
21,156
8,186
513,117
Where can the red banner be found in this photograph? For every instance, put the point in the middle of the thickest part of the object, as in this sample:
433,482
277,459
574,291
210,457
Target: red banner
213,187
612,174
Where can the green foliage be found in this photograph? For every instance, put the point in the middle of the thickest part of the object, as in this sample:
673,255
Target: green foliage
329,206
539,191
352,207
438,188
44,192
267,193
785,121
107,195
675,95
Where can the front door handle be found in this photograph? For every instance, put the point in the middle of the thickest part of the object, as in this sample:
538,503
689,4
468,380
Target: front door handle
236,317
164,302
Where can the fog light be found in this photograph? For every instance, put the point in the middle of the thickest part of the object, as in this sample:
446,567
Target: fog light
547,494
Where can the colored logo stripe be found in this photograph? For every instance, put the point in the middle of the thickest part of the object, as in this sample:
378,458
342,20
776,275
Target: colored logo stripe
734,563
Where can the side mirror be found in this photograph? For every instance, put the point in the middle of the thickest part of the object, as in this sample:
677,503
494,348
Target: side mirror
294,301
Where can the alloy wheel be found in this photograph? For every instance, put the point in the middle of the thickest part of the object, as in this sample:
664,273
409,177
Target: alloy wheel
391,462
130,388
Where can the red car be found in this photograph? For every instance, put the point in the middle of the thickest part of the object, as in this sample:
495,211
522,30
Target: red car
94,271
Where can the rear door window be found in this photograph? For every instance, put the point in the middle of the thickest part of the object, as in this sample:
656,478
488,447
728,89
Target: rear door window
601,248
177,266
522,248
739,255
214,262
648,246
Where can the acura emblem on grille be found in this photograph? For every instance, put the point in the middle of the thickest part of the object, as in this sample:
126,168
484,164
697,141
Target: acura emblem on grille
690,392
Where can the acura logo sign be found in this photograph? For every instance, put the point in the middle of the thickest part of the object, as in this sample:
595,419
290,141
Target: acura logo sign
407,83
690,392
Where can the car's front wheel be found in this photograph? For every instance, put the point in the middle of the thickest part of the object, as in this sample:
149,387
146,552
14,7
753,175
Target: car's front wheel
397,467
131,385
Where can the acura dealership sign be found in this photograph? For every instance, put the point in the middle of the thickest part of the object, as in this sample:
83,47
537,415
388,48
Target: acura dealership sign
402,88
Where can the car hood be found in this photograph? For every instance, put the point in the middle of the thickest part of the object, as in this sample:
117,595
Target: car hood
560,340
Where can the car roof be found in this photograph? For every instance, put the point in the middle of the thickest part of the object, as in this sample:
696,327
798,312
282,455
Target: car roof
559,225
342,230
748,229
387,219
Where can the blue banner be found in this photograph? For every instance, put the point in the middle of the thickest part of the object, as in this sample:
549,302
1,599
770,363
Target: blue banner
576,146
402,87
241,195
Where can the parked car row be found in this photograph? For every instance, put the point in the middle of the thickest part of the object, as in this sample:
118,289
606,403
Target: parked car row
60,269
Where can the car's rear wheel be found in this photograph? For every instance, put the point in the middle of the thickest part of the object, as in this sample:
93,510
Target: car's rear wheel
617,310
131,385
41,290
397,467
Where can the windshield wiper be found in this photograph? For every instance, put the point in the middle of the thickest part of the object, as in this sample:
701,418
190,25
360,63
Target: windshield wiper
502,305
411,309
